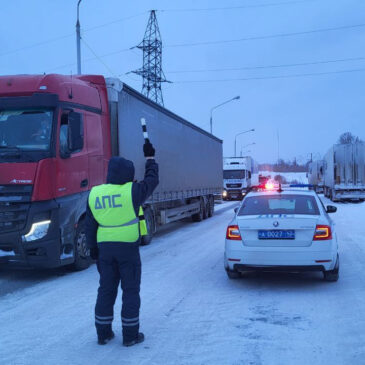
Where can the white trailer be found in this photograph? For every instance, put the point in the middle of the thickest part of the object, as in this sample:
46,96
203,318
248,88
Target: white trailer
316,175
344,172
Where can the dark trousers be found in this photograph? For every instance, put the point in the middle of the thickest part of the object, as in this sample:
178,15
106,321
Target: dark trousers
118,262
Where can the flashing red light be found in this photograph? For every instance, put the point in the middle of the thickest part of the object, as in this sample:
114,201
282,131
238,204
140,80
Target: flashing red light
233,233
322,233
269,186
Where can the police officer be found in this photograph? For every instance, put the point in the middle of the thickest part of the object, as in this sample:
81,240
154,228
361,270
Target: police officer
114,225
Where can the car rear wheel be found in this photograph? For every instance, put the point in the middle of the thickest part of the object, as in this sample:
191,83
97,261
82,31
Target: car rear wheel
233,274
333,275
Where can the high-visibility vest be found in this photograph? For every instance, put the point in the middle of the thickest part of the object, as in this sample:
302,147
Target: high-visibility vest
112,207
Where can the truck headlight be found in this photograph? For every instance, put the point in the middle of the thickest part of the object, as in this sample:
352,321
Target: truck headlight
224,193
37,231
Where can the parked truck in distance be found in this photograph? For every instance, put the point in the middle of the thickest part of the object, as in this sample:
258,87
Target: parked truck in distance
316,175
238,175
57,134
344,172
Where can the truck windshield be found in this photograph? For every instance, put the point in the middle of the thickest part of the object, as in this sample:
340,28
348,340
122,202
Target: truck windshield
25,129
233,174
279,204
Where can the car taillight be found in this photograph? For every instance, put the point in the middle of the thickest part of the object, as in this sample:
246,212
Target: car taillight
322,233
233,233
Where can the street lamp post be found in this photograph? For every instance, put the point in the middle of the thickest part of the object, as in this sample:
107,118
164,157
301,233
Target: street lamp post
78,39
217,106
246,145
235,140
246,151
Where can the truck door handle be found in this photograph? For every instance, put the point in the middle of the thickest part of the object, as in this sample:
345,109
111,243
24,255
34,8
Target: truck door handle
84,183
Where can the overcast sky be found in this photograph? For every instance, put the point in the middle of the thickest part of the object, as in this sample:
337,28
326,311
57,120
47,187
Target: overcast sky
306,114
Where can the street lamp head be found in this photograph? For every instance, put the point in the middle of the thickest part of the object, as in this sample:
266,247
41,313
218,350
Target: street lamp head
237,98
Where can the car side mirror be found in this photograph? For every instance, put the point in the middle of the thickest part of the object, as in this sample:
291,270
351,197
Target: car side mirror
235,209
331,209
75,140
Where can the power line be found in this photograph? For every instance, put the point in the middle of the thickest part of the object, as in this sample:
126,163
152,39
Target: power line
115,21
55,39
269,66
270,36
271,77
238,7
220,42
90,59
98,58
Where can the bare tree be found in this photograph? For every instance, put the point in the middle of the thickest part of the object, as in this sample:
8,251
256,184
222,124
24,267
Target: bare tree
348,138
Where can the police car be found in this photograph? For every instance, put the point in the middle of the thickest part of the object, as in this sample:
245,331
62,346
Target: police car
286,230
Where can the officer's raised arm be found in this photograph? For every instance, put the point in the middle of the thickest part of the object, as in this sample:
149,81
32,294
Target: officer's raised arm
143,189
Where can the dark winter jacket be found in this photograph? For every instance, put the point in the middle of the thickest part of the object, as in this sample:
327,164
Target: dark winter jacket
121,171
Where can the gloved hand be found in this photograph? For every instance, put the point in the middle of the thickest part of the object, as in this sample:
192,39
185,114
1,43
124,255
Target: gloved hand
148,149
94,253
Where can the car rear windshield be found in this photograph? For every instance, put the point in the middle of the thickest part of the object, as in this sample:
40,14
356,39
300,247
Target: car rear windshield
279,204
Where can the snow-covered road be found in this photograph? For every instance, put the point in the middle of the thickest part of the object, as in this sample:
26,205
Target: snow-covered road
192,313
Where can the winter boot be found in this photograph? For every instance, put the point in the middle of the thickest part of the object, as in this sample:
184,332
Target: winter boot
103,340
138,339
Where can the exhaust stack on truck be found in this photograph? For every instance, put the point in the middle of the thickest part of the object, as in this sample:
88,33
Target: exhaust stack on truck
57,134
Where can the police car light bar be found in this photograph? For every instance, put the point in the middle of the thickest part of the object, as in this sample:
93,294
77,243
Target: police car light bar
301,186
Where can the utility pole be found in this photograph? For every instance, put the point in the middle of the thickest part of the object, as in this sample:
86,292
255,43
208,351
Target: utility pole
151,70
78,40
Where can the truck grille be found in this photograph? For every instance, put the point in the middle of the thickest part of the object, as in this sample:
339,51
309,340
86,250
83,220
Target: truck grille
237,192
234,185
14,206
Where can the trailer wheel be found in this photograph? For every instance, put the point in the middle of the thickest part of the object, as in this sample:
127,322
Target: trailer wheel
211,206
81,251
150,222
198,217
333,275
206,207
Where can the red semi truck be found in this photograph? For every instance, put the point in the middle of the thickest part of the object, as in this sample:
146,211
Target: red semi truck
57,134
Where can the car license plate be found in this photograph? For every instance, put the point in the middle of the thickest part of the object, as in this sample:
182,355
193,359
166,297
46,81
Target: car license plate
276,234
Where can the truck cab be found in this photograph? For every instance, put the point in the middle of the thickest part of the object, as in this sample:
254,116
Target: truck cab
236,177
50,157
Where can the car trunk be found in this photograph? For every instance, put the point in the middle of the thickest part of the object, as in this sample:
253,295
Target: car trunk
303,227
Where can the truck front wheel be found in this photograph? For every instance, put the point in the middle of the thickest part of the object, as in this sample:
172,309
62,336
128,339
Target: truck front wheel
82,252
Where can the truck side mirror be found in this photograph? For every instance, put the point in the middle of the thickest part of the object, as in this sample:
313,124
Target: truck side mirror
331,209
235,209
75,140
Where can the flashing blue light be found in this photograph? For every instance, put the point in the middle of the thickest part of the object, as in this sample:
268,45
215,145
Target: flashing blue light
301,186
